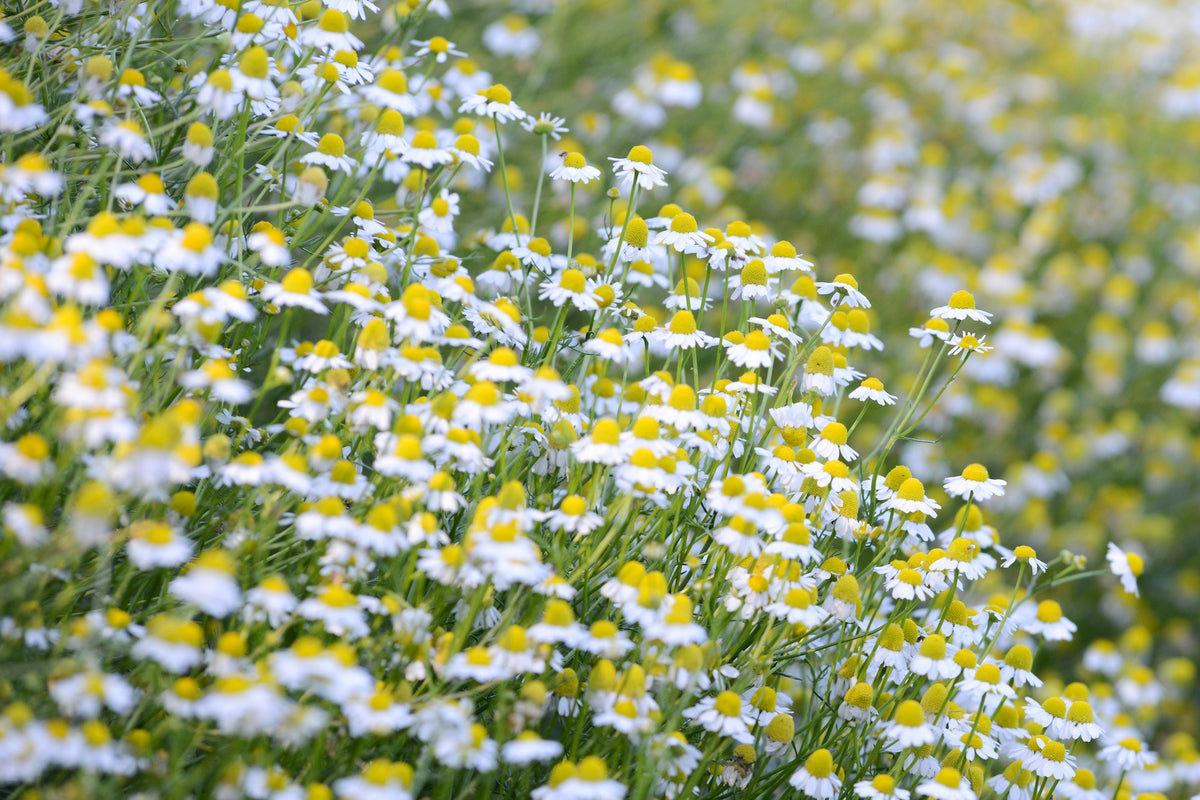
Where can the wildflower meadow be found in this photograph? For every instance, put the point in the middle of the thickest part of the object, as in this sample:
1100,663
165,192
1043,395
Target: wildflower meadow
580,400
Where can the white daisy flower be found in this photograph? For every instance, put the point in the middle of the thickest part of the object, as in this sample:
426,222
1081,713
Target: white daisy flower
1127,566
638,167
974,483
961,307
948,784
817,778
845,287
575,169
494,102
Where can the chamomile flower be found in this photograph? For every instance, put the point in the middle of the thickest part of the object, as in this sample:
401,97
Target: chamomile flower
1017,665
589,781
439,47
1049,622
908,583
218,94
778,326
881,787
974,483
18,109
798,606
817,778
147,191
910,497
425,151
968,343
845,288
831,443
330,33
270,601
683,235
379,779
818,372
1025,554
934,660
722,715
210,584
964,557
296,289
155,544
754,350
1077,722
682,333
466,149
961,307
605,639
933,330
390,90
337,609
27,460
545,124
331,153
128,140
495,102
638,167
871,389
174,644
529,748
568,286
1081,787
1128,754
948,784
219,378
1126,565
575,170
752,282
611,346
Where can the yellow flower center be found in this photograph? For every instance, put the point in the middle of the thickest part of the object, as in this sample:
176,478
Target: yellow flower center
820,362
820,764
781,728
836,469
962,299
683,323
912,489
684,223
498,93
1055,751
513,639
572,280
728,704
835,433
603,629
1019,657
934,647
1049,611
637,234
641,154
754,273
334,21
254,64
593,768
297,281
196,237
1080,713
949,777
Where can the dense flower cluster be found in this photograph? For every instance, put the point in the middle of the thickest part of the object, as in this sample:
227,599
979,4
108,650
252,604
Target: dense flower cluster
341,460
